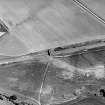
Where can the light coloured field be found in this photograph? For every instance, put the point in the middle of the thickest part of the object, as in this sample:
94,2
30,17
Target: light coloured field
39,25
98,6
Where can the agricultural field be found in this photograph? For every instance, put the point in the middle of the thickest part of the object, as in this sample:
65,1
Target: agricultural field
52,52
